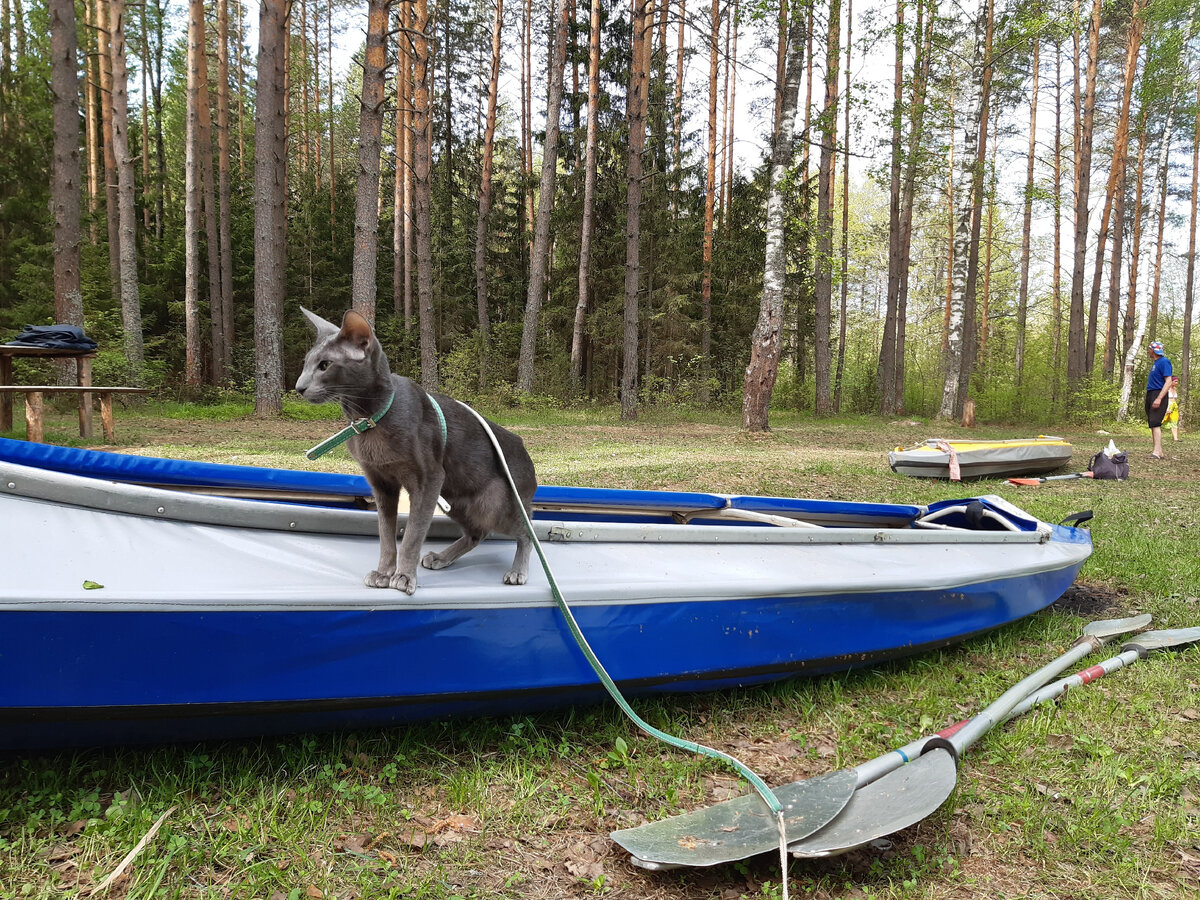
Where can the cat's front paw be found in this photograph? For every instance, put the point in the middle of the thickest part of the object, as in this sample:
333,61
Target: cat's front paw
434,561
402,581
377,579
513,576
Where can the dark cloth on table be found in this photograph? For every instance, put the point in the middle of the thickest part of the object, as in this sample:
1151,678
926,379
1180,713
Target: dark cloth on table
53,337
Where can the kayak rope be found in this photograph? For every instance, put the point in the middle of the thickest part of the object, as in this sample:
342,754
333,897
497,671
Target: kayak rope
745,771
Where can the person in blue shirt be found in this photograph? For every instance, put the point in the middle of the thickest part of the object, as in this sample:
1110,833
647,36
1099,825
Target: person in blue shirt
1157,386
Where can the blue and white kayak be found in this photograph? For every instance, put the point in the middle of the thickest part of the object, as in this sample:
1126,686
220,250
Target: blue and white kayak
132,612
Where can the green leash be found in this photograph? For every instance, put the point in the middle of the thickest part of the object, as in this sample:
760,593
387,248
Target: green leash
358,426
745,771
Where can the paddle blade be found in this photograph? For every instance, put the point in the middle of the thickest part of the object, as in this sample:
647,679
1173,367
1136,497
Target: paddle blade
1029,481
737,829
1106,629
1159,640
897,800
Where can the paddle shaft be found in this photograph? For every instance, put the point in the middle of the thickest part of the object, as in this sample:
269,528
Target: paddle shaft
1050,478
964,734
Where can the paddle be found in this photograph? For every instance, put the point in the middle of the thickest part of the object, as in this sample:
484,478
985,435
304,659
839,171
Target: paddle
1037,481
910,794
740,828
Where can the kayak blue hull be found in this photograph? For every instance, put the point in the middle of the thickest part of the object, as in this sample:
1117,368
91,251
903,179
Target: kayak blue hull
229,674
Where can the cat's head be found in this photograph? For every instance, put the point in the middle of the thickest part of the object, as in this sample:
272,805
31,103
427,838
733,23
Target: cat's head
344,363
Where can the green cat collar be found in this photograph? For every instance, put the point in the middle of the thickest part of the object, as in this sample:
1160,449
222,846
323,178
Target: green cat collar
358,426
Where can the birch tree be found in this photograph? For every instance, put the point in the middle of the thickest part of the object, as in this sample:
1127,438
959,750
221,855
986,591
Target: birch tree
766,345
970,200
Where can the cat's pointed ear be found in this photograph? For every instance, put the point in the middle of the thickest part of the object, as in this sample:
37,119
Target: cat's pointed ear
323,326
356,331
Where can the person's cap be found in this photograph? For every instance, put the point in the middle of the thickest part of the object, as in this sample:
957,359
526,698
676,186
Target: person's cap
1156,348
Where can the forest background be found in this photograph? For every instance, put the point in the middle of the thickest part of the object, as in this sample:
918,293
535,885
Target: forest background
1019,217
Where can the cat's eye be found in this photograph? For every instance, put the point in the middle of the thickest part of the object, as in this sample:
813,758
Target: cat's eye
323,365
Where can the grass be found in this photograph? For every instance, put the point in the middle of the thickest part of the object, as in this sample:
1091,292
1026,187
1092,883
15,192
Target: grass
1097,797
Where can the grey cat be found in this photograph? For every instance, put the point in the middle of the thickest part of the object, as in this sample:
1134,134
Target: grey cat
347,365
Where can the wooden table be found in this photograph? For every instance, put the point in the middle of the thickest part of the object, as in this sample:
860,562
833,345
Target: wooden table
83,378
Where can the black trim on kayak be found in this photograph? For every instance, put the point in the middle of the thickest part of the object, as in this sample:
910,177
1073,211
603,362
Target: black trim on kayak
64,714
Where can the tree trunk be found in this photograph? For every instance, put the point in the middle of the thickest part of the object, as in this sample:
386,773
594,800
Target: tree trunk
1152,323
916,138
160,153
66,173
270,208
224,188
1115,177
422,194
370,148
92,125
1114,280
539,261
961,325
112,203
886,374
399,213
987,265
678,157
766,344
970,327
1185,346
589,193
145,117
409,168
485,201
639,81
192,201
1076,351
710,197
730,113
1136,253
1027,221
1056,276
841,352
823,275
208,188
131,309
332,171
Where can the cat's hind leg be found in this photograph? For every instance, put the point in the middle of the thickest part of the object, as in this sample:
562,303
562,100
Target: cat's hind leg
469,541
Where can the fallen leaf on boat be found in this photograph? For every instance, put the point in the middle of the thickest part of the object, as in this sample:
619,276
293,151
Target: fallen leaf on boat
92,586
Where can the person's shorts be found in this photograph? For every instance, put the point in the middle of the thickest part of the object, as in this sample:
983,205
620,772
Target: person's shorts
1154,417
